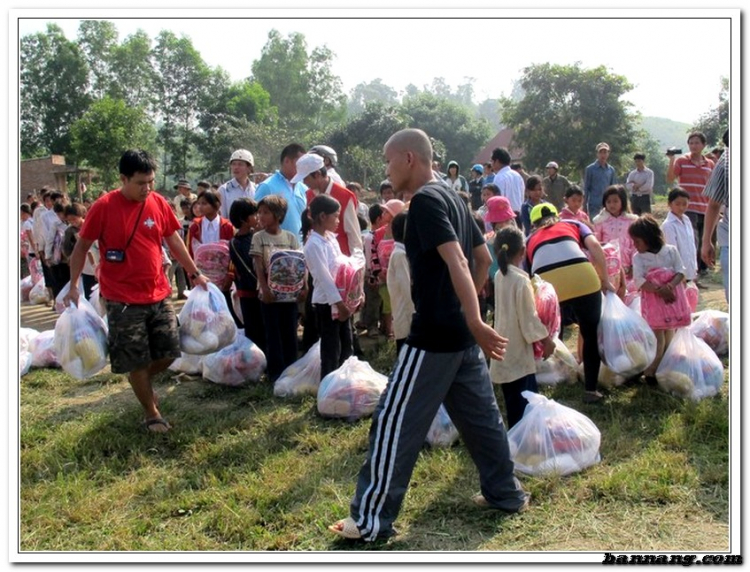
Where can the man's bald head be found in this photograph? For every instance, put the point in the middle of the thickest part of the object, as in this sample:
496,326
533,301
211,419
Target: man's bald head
414,141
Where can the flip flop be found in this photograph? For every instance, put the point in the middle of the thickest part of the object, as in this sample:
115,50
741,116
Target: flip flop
346,528
156,421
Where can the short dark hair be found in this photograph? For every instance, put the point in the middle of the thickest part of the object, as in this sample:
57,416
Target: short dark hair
363,224
354,187
241,209
494,189
516,166
699,134
375,212
573,190
323,204
647,229
136,161
532,182
204,184
26,208
676,193
291,150
385,185
58,208
75,209
501,154
212,198
276,204
185,203
641,156
55,196
398,227
620,191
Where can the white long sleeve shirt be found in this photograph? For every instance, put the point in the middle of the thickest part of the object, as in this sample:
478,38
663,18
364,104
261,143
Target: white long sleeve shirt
398,280
679,233
321,253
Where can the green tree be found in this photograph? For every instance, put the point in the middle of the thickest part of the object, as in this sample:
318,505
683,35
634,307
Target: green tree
54,86
715,122
98,41
108,128
369,92
565,111
133,69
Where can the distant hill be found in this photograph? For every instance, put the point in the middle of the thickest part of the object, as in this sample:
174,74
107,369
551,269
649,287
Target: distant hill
667,132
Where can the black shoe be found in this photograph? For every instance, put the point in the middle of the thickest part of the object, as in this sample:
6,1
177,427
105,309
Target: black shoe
651,380
633,380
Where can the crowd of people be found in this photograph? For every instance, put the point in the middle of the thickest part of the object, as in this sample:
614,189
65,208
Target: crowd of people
447,263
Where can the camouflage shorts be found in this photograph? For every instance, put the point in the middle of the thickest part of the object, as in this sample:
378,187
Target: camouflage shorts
141,334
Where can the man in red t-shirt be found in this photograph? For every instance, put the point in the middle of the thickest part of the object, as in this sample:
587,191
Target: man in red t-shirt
129,224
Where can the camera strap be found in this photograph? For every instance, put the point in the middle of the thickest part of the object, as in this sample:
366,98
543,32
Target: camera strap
135,227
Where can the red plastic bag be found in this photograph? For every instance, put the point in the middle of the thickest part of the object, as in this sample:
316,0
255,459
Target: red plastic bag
548,309
659,314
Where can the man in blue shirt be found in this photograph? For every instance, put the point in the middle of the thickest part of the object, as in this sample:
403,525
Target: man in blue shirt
280,184
597,177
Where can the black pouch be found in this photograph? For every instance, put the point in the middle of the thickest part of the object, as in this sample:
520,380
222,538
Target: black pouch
113,255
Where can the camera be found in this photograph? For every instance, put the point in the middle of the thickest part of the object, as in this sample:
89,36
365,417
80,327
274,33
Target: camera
674,151
114,255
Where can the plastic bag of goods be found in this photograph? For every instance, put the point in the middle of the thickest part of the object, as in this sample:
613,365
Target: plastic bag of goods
213,260
97,302
59,304
352,391
26,285
25,337
712,327
302,377
548,309
635,303
690,368
552,438
442,432
286,274
626,343
24,363
238,363
42,348
658,314
206,326
691,293
236,306
35,268
38,294
350,280
560,367
607,379
81,340
187,363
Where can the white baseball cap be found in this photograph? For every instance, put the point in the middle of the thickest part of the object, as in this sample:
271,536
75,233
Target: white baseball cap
308,163
551,165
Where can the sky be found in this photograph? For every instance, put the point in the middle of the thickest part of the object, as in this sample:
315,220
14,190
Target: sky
656,51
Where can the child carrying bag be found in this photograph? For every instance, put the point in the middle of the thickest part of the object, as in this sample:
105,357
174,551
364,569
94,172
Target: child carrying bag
659,314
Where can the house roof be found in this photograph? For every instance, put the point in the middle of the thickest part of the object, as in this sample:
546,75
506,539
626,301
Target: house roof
503,138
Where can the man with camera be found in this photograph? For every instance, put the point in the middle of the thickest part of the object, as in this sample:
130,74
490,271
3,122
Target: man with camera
640,184
129,224
692,172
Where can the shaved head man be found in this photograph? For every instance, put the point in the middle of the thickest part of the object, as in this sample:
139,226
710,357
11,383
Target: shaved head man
443,358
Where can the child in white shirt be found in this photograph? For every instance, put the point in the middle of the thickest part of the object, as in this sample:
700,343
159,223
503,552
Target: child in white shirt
398,280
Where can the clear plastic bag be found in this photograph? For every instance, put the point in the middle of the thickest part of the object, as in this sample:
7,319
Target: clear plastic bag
38,294
442,432
236,306
96,301
238,363
607,379
690,368
59,304
24,362
81,340
548,309
712,327
352,391
188,364
552,438
206,326
25,337
626,343
692,295
26,285
560,367
302,377
42,349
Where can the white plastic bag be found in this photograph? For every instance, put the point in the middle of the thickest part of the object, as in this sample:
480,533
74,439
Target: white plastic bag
24,362
560,367
626,343
59,305
302,377
442,432
189,364
712,327
39,294
236,306
25,337
26,286
352,391
206,326
81,340
96,301
42,349
553,438
238,363
608,379
690,368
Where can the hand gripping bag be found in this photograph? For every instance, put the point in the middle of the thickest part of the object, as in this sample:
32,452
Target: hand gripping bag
350,392
286,274
658,314
442,432
206,326
238,363
302,377
690,368
213,260
42,348
548,309
560,367
712,327
81,340
59,304
626,343
552,438
349,279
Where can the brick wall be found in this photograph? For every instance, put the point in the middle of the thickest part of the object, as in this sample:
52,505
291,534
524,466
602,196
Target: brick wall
38,173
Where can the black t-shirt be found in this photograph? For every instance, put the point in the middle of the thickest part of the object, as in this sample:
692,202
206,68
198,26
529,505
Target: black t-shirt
437,215
244,272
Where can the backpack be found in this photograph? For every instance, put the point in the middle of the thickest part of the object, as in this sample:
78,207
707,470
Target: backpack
286,274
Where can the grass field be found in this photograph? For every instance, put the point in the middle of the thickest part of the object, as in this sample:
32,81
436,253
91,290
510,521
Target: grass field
243,470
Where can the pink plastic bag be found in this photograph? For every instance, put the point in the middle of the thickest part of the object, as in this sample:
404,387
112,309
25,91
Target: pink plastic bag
659,314
548,309
350,280
691,291
213,260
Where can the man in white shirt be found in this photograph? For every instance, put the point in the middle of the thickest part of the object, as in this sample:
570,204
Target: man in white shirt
241,164
640,185
509,182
